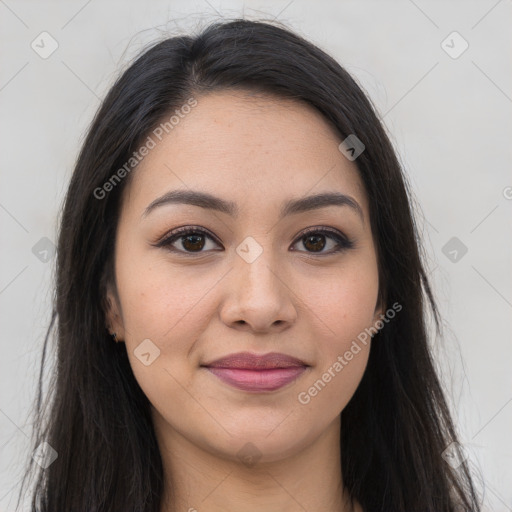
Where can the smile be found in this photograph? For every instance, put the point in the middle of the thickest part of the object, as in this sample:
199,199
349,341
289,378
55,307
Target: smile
258,380
257,373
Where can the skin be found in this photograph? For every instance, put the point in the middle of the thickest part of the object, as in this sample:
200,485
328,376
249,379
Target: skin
257,151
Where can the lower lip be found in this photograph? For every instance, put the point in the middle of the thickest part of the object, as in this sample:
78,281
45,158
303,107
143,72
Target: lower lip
258,380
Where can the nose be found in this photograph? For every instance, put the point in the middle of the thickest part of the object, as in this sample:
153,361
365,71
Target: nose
258,297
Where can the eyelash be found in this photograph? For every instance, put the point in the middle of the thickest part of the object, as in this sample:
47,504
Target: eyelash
343,243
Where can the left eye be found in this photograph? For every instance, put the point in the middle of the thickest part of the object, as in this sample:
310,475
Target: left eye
315,239
193,240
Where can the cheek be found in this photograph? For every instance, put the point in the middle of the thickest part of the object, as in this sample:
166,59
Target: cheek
343,308
332,386
343,303
162,300
342,354
167,305
169,308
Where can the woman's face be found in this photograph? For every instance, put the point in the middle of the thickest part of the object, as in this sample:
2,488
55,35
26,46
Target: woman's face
253,283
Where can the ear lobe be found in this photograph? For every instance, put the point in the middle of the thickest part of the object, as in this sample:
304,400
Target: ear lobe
113,317
379,311
378,316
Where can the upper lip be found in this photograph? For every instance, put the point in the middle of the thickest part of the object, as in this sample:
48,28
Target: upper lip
251,361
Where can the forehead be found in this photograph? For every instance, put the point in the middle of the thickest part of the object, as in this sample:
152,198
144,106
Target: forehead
249,148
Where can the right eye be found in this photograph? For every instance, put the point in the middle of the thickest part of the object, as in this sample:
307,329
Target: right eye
191,239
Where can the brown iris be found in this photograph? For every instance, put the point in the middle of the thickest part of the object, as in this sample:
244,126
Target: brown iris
196,244
318,242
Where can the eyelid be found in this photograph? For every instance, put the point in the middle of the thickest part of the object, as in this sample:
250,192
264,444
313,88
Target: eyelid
343,241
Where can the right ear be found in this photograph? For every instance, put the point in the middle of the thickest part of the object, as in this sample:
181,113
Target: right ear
113,316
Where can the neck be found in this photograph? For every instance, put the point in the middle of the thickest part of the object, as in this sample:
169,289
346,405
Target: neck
199,480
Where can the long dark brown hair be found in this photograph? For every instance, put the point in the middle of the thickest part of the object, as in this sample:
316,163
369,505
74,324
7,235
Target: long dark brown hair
96,417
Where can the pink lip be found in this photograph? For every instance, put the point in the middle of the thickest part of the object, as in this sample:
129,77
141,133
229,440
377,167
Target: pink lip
253,372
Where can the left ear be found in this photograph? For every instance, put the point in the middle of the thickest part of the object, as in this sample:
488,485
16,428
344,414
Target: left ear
380,308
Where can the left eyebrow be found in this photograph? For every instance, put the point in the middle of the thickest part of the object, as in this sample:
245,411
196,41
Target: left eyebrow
290,207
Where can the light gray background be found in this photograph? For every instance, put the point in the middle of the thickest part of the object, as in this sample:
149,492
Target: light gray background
449,119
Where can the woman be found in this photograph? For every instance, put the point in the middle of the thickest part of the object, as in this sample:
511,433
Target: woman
241,299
